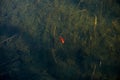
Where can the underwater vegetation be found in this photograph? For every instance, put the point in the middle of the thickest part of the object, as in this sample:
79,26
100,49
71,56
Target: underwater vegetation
59,40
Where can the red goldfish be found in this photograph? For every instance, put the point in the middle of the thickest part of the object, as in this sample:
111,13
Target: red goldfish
61,39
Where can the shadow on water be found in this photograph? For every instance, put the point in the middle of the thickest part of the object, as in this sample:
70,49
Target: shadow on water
12,56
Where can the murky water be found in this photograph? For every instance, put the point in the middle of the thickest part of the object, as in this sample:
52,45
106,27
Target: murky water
59,40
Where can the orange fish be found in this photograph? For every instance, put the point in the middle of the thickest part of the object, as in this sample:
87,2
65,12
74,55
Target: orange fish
61,39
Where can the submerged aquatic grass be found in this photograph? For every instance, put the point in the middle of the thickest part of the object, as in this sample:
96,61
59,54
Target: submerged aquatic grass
91,32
